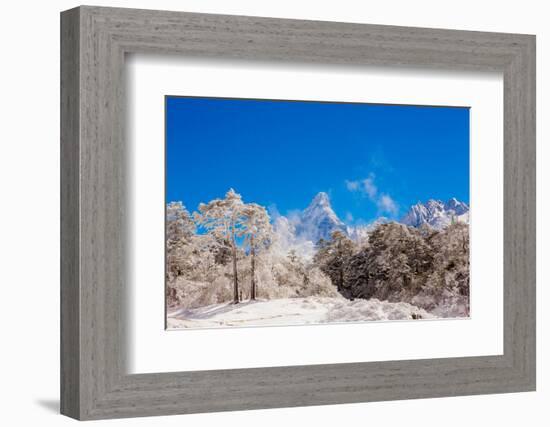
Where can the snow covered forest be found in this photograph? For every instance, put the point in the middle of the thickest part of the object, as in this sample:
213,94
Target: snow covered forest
232,263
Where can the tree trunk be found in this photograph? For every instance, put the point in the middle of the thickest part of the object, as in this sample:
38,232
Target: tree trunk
252,272
235,279
341,268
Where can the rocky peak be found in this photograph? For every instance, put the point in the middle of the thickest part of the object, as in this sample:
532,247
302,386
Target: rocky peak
318,220
457,206
436,214
321,199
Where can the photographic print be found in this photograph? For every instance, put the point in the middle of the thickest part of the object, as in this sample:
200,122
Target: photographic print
306,212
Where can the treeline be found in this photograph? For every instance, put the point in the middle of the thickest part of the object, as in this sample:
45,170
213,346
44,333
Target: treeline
424,267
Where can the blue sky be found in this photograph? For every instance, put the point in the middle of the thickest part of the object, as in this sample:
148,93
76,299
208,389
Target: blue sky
373,160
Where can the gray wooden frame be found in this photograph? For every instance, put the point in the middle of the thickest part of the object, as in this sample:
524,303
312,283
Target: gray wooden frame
94,382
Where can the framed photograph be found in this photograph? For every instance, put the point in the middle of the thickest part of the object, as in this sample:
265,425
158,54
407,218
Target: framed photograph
262,213
322,240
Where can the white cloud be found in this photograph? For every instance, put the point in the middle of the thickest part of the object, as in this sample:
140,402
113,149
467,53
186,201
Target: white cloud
386,204
352,185
365,186
368,188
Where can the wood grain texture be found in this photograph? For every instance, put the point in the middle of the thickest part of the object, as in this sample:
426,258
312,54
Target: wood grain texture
70,291
95,237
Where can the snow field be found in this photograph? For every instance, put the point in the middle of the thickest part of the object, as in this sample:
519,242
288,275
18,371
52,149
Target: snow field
293,311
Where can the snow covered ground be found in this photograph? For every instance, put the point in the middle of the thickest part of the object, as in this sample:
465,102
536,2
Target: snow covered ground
292,311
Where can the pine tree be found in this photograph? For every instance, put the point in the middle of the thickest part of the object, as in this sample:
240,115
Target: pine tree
179,224
180,229
224,219
258,235
333,257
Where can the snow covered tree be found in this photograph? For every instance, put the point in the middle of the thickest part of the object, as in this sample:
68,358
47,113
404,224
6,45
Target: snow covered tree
258,235
426,267
333,257
452,260
359,275
392,266
224,219
179,224
180,229
292,255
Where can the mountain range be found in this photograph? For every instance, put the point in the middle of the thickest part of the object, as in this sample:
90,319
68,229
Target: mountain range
318,221
437,214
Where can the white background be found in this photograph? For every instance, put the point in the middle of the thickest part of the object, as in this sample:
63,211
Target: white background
154,350
29,234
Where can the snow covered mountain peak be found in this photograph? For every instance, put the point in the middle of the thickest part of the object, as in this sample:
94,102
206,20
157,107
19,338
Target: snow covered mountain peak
318,220
457,206
320,209
301,231
436,213
321,199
